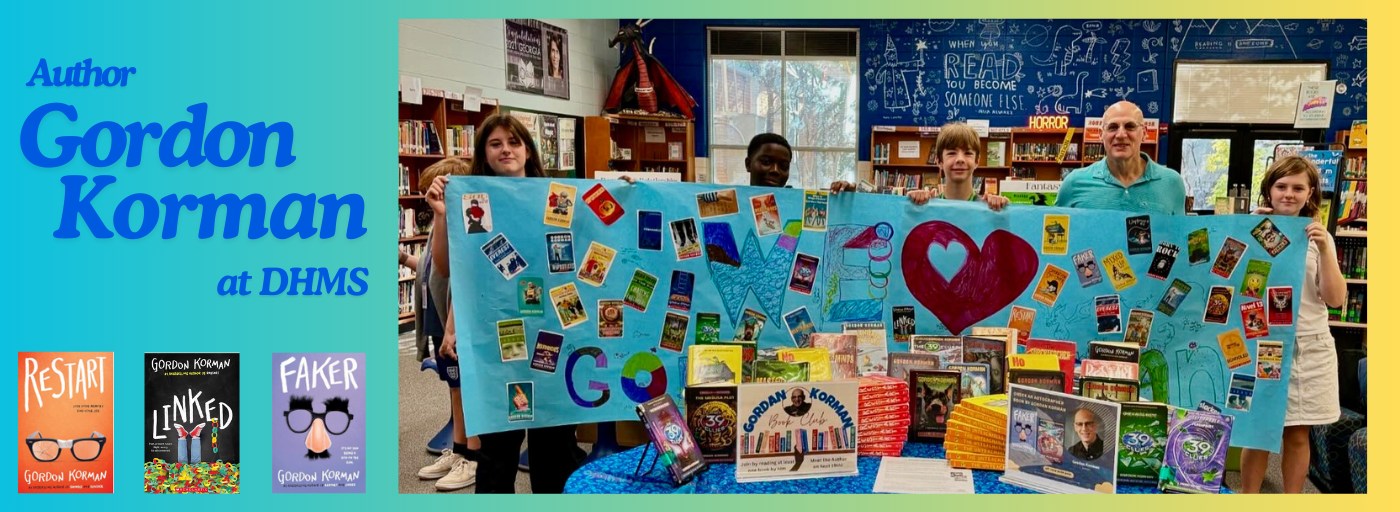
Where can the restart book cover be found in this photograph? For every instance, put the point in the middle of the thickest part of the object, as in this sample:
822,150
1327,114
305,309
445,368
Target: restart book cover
65,422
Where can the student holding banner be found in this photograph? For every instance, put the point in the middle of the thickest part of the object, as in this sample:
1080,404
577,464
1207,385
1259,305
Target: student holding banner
1290,187
504,148
957,150
456,467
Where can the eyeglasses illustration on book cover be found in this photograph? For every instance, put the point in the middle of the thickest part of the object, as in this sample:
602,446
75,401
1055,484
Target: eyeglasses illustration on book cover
86,449
302,418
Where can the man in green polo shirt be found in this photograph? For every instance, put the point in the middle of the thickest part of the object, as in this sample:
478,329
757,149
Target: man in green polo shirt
1126,179
957,149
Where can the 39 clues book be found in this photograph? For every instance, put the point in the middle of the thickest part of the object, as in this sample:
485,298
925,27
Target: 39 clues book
192,423
65,422
797,430
1061,443
318,423
1197,443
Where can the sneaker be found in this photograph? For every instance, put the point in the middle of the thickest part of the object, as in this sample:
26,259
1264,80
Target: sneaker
463,474
441,467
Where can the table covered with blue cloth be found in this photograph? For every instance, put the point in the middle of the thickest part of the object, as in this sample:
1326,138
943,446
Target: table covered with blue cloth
615,474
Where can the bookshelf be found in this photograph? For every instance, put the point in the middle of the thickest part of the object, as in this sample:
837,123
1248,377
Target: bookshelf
1029,154
429,131
1348,224
651,144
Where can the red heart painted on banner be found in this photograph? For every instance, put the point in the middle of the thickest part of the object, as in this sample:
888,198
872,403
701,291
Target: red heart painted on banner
990,278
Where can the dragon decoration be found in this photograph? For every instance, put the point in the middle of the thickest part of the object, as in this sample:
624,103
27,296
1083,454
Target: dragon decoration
642,85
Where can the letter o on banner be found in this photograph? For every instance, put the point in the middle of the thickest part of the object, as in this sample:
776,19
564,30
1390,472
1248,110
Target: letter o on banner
643,362
600,360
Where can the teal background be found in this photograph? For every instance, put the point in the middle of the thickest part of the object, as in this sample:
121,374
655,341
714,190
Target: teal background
329,69
271,62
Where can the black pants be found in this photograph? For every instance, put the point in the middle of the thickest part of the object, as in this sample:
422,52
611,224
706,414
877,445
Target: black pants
554,455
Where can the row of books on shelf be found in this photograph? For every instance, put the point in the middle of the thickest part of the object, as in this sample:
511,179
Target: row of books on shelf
418,138
1354,310
413,222
1355,168
1044,152
414,251
1352,260
459,140
898,183
405,180
1351,202
407,295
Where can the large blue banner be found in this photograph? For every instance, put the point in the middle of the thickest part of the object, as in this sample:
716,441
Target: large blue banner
575,299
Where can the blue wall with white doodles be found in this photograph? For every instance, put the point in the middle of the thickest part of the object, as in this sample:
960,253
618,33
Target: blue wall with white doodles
928,72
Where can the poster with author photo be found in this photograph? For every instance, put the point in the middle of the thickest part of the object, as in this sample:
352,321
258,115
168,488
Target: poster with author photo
537,58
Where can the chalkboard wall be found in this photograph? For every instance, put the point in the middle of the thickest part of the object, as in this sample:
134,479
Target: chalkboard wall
928,72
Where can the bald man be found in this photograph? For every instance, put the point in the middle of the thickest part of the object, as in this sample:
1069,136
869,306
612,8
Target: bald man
1126,179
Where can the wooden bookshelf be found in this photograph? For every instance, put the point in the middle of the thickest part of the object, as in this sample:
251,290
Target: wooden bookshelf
443,109
1044,170
600,133
1349,237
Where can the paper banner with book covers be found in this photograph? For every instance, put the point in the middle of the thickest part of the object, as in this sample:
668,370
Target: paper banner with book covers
530,343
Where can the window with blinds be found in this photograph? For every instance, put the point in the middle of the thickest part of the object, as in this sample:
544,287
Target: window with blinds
1240,92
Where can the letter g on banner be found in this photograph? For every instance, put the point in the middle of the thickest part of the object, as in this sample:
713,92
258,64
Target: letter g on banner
600,360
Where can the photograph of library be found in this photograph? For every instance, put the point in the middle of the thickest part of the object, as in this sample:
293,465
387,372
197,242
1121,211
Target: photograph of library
963,256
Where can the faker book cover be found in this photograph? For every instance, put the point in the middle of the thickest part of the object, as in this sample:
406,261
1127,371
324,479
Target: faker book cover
318,423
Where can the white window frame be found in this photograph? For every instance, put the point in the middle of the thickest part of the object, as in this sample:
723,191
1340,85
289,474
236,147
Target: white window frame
783,59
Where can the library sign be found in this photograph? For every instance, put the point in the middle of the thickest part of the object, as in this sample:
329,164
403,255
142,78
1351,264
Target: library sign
292,216
576,315
1049,122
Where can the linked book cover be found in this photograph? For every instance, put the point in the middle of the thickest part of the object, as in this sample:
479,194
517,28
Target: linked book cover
318,423
65,422
192,423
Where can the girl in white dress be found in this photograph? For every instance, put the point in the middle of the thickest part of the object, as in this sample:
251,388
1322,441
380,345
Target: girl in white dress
1291,187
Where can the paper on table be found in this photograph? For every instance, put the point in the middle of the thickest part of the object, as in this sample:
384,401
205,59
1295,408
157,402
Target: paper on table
912,475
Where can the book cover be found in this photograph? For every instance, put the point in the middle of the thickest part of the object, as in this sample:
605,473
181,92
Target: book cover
870,339
1023,320
992,351
818,361
1144,428
1139,234
947,348
1198,246
1109,314
1033,362
1110,369
1114,351
976,378
996,154
714,364
1064,352
1197,443
65,420
1087,268
318,423
843,350
649,234
903,317
712,412
932,396
192,423
1061,443
790,431
800,326
901,363
1256,279
769,371
1357,139
1049,380
749,352
671,438
1163,260
1112,390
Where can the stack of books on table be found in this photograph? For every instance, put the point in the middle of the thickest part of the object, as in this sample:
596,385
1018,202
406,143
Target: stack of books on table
977,433
884,416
